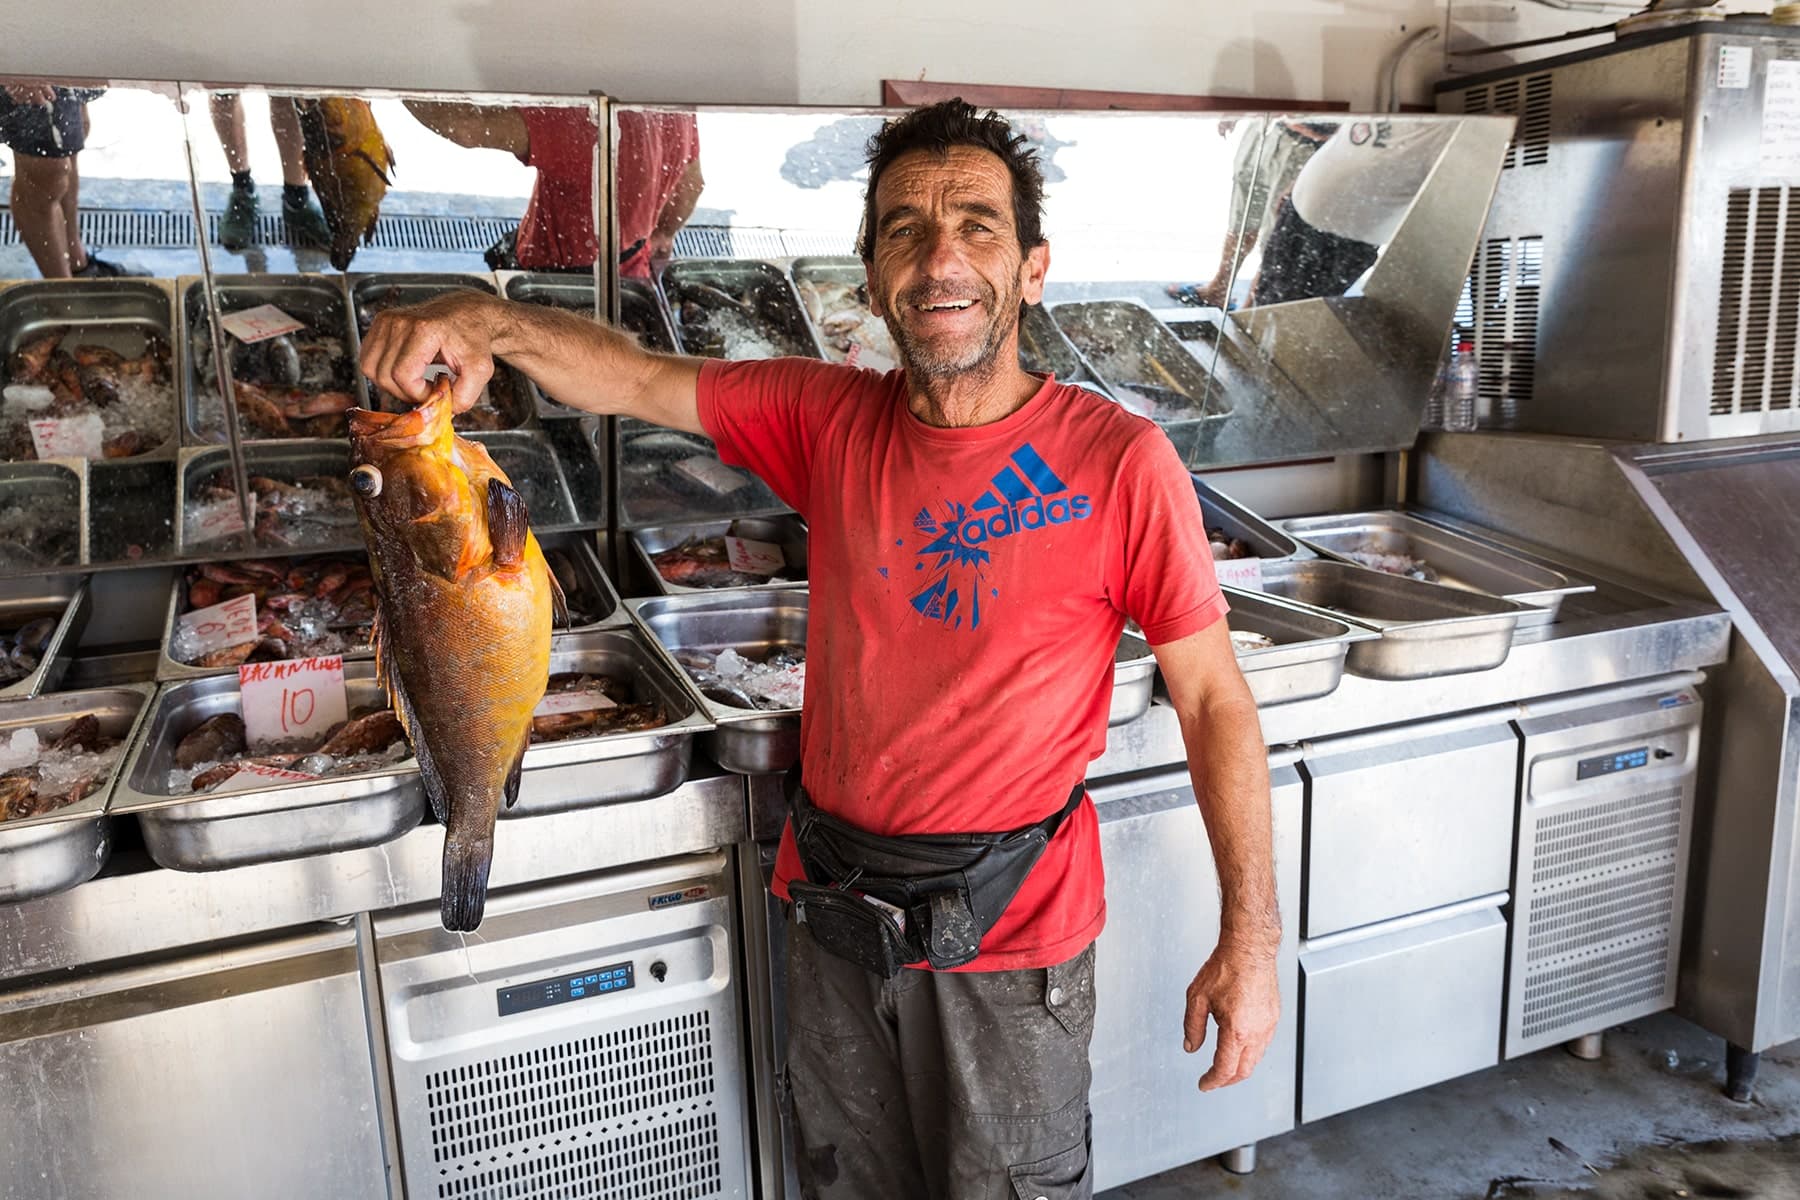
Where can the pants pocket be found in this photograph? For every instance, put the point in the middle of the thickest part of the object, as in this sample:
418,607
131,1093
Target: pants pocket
1069,994
1063,1176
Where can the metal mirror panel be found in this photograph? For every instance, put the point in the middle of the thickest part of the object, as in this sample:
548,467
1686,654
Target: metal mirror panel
99,226
1188,281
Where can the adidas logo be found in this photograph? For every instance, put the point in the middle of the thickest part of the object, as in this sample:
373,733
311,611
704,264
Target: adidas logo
1026,494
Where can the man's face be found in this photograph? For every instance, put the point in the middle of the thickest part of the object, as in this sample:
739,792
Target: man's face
948,273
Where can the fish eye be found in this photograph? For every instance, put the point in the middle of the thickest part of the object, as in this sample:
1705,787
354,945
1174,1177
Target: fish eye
365,481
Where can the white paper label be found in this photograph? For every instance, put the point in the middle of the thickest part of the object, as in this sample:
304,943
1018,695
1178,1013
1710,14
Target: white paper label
259,324
860,355
1734,66
1245,574
292,700
255,775
69,437
567,702
753,557
228,623
1781,118
711,474
220,518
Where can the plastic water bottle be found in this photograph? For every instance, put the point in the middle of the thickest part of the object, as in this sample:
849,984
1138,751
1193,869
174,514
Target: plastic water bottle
1461,392
1433,417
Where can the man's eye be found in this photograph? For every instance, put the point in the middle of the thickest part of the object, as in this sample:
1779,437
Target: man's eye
900,231
978,227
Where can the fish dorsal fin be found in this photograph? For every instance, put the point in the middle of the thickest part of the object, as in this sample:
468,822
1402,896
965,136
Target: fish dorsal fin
509,523
389,679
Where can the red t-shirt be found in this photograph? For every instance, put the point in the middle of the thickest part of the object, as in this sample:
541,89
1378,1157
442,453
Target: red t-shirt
655,151
557,229
968,589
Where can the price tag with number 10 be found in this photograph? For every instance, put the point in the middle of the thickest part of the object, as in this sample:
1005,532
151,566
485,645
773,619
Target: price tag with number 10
292,702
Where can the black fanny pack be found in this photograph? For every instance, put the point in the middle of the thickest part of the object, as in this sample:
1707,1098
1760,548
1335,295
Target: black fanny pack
887,902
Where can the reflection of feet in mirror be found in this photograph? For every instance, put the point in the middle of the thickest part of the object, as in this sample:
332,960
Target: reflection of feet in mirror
305,223
1199,295
311,260
100,268
237,224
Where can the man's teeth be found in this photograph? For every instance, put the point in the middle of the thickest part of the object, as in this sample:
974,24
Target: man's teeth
945,304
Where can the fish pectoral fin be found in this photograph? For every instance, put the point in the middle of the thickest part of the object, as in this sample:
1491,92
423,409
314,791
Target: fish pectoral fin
510,789
375,166
428,772
509,523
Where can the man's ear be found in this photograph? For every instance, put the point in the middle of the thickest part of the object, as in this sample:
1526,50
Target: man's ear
1035,267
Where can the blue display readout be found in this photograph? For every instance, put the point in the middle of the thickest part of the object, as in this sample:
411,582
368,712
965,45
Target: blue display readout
542,993
1608,764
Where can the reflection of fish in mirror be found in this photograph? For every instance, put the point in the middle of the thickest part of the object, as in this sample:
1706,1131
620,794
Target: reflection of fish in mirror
351,167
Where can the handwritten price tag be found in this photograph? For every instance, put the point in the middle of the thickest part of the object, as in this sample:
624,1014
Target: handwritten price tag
1244,574
753,557
69,437
860,355
255,775
228,623
567,702
293,700
259,324
221,518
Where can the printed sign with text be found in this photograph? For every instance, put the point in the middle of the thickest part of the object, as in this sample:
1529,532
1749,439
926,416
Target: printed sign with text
292,701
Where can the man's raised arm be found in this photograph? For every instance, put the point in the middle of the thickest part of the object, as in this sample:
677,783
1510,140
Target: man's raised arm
582,363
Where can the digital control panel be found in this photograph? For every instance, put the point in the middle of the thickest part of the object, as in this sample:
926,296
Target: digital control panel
542,993
1612,764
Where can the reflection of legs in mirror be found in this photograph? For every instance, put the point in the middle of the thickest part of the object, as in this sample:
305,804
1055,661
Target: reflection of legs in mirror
306,224
237,224
38,191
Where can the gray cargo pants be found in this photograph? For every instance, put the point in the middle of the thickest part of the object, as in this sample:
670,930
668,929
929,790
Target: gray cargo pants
947,1086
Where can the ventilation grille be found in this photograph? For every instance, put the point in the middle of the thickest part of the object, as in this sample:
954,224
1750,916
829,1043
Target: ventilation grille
748,241
679,1161
1504,291
1604,835
1594,926
125,229
1759,303
1528,100
624,1113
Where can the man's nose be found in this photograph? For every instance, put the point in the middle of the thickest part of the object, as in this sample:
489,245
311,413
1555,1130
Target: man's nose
943,255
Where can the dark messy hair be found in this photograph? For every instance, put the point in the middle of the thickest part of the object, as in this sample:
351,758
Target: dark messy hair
936,128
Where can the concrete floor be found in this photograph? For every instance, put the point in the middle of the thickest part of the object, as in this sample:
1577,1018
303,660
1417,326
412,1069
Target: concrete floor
1646,1122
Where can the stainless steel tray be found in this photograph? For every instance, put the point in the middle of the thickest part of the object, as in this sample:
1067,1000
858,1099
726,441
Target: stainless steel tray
514,398
49,853
762,288
170,669
530,463
1307,659
121,314
575,294
746,741
653,493
1044,347
319,300
1134,680
641,312
1223,513
56,492
568,774
61,598
282,821
785,530
1139,360
1460,562
830,268
282,460
1426,630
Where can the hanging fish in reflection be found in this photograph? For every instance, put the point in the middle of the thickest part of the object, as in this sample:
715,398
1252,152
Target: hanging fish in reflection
351,167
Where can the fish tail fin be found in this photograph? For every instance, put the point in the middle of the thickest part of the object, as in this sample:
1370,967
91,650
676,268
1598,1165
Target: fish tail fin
464,896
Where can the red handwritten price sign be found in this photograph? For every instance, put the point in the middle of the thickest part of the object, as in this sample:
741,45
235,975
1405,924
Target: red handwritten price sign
228,623
69,437
293,700
563,702
1245,574
259,324
217,519
754,557
255,775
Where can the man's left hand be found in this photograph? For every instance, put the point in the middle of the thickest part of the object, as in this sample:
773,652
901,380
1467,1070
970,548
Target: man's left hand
1237,988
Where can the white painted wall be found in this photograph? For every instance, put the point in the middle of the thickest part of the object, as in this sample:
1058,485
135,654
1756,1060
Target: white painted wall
764,51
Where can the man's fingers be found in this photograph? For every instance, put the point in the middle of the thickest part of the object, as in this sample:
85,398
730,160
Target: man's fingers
1227,1060
470,379
1193,1025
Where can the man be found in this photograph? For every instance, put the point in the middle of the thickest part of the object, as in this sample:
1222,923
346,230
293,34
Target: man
978,537
237,224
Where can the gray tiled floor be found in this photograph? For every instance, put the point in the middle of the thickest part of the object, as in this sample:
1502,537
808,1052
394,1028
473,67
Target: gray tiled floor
1648,1120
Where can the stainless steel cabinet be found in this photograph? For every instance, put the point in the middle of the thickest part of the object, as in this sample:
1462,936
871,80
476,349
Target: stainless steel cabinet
1602,859
1408,819
243,1072
1400,1006
586,1043
1162,921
